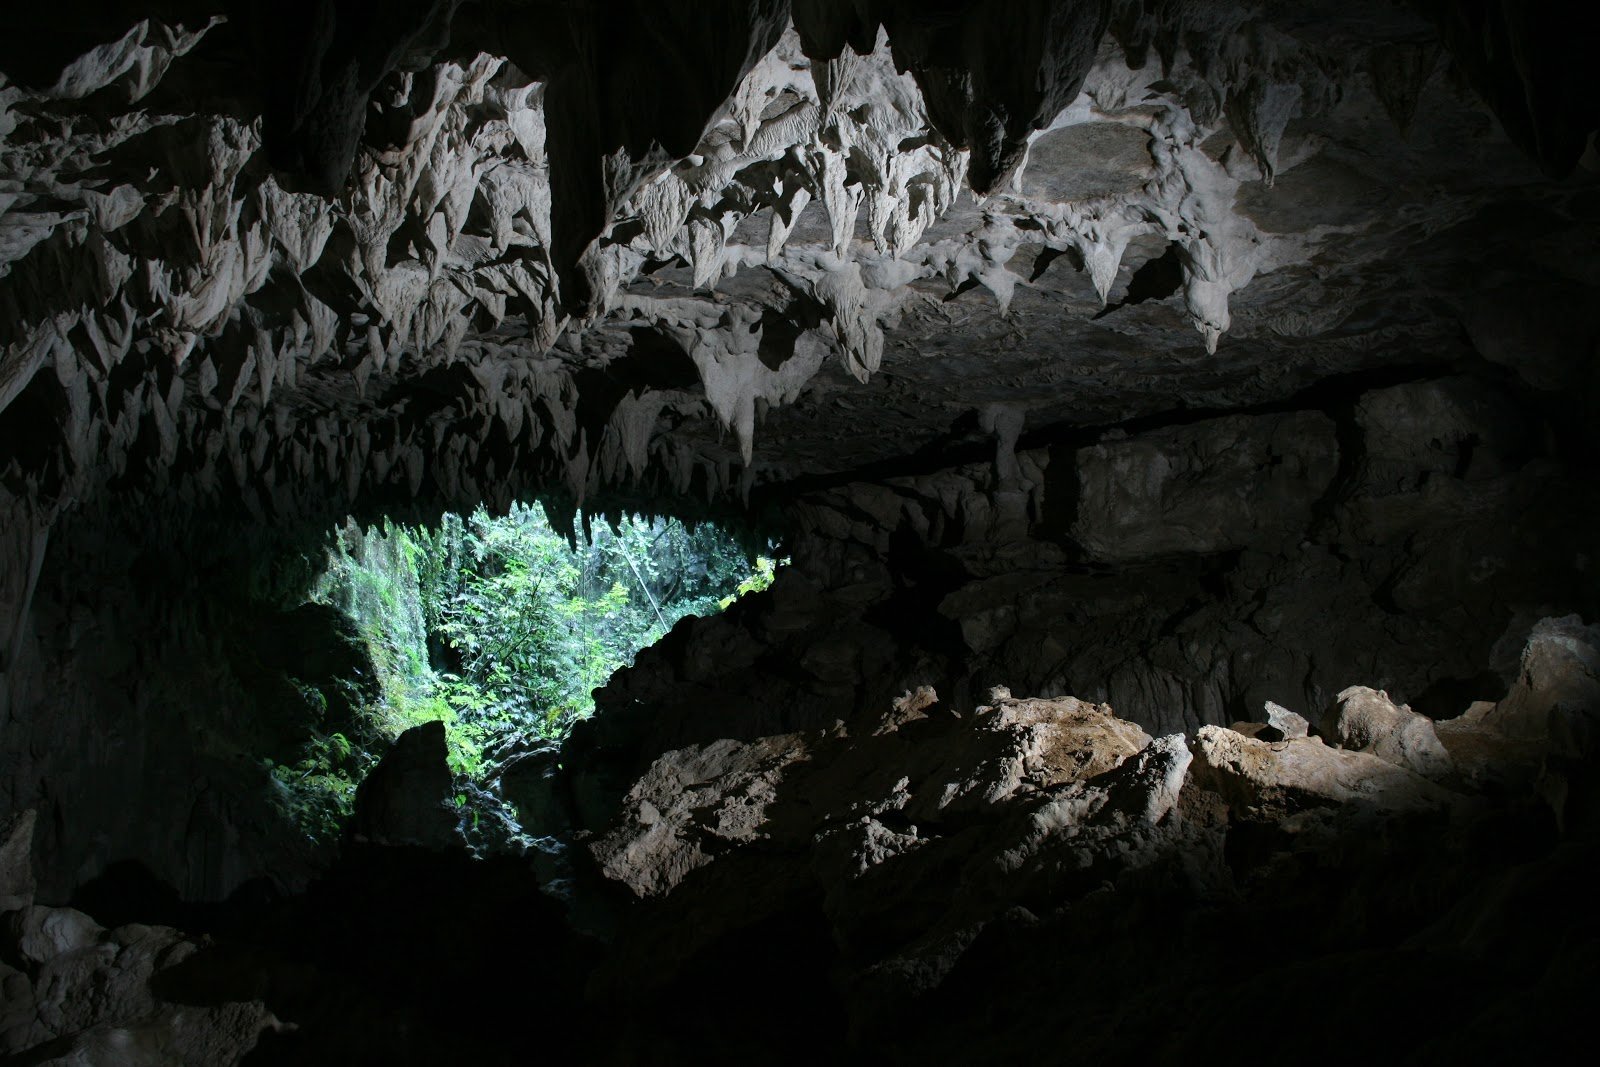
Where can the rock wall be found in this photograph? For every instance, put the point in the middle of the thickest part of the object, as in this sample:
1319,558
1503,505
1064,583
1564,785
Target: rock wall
1183,570
1401,535
161,671
1170,357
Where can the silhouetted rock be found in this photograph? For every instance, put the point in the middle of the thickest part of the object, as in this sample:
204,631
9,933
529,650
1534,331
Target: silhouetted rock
407,799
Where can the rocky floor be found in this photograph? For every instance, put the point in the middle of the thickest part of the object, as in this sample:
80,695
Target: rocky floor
1030,878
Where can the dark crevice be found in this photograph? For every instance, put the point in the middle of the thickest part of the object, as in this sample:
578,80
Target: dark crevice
1156,279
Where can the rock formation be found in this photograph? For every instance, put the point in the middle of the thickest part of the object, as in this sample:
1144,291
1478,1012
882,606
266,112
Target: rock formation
75,992
1217,378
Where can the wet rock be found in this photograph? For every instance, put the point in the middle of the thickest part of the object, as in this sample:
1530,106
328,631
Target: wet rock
1366,720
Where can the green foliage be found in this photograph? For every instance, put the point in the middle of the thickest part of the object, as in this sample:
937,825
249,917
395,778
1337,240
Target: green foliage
766,570
317,791
501,629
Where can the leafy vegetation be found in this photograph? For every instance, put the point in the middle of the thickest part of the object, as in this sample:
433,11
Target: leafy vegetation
500,628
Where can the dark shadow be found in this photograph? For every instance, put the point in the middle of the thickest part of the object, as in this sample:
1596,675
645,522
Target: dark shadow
1450,697
1157,279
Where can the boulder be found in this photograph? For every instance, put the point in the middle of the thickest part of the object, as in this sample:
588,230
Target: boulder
85,995
530,781
37,934
406,798
1366,720
691,804
1263,779
1069,739
1557,691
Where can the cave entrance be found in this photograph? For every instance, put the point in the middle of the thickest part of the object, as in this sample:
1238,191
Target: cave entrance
498,627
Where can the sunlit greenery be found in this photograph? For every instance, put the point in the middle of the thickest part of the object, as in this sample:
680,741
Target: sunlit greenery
500,628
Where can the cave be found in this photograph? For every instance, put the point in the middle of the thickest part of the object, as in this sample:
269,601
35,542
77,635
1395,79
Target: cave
1180,420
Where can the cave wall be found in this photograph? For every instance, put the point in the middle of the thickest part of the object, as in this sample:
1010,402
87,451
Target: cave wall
1187,571
1193,357
1180,420
157,678
1402,535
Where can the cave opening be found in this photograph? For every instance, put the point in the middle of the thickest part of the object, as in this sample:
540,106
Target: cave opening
490,630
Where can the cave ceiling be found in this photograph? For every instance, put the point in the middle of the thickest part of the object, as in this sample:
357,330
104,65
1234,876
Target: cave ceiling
298,257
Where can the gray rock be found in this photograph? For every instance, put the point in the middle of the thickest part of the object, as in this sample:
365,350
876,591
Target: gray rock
39,934
91,998
1286,722
16,860
1366,720
1206,487
1557,692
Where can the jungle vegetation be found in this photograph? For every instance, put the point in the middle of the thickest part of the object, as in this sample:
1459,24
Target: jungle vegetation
500,627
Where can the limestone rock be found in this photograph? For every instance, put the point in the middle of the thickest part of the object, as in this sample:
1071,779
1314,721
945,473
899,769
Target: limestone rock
1104,821
1070,739
1289,723
1252,775
1017,744
1200,488
444,263
1366,720
909,707
87,995
1557,692
1261,731
38,934
690,804
1152,365
919,835
530,780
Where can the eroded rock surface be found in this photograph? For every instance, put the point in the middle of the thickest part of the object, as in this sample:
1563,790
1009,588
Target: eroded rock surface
407,799
73,992
1369,721
912,841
